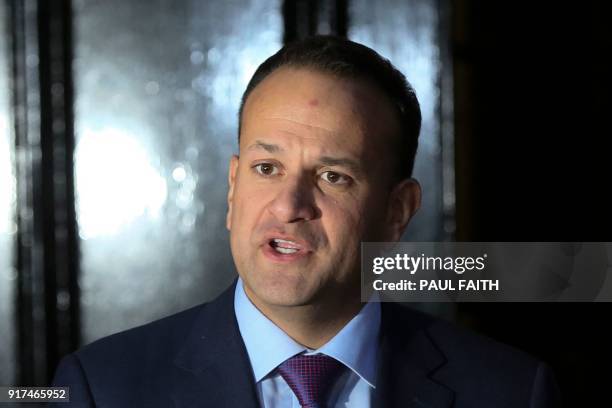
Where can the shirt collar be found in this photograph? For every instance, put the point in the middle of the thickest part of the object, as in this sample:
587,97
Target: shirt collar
268,346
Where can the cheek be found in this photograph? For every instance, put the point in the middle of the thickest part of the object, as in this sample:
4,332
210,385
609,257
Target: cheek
342,220
344,226
355,219
374,218
245,207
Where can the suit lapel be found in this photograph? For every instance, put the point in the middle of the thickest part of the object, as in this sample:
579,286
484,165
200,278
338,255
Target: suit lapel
213,365
407,362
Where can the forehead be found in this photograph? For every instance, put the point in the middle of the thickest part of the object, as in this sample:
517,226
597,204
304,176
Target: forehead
317,107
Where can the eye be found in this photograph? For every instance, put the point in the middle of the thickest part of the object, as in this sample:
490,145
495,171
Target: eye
335,178
266,169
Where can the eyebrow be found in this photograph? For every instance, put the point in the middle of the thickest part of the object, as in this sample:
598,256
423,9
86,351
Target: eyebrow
270,148
340,161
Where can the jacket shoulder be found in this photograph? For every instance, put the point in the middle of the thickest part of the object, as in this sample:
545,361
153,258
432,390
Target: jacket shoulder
485,370
461,345
479,368
145,366
145,340
123,365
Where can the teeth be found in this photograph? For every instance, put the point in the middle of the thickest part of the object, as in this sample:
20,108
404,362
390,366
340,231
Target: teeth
285,244
285,250
278,240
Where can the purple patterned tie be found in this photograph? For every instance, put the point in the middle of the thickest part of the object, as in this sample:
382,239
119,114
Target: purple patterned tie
310,377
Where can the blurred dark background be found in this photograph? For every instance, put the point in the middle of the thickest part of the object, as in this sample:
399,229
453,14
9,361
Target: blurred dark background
118,117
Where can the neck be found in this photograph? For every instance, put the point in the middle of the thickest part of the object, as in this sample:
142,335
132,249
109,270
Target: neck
315,324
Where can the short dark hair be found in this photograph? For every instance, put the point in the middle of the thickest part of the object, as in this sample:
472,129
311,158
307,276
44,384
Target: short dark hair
347,59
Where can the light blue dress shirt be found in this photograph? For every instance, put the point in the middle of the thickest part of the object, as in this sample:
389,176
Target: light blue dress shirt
356,346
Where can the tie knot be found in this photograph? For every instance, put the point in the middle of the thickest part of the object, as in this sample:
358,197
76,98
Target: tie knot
310,377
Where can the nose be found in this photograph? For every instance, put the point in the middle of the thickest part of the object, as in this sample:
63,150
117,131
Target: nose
294,202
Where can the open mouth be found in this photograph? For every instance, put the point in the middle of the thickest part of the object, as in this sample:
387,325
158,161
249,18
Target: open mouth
283,246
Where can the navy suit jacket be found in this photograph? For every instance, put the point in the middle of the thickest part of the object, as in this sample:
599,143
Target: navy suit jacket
197,358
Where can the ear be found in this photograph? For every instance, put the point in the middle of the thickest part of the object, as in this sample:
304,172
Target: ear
404,202
231,180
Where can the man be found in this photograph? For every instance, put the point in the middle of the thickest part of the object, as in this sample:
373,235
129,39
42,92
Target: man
327,139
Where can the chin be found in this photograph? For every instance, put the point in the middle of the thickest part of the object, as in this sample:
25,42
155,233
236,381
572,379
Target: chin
282,292
286,301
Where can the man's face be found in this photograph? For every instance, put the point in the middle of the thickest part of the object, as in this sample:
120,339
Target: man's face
311,183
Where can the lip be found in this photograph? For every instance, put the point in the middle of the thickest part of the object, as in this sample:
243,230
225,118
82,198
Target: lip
304,248
303,245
